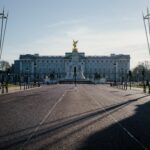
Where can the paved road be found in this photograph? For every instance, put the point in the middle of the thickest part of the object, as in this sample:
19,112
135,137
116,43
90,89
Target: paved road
60,117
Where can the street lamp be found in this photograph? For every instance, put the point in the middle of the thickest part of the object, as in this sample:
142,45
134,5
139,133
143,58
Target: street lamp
143,75
130,76
7,80
27,80
2,83
75,75
20,77
122,77
115,80
137,76
35,66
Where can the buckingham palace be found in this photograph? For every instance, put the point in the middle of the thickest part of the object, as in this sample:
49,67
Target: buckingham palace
110,68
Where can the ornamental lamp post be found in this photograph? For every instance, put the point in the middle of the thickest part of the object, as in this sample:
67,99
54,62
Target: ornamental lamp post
35,66
115,80
20,80
130,76
143,76
137,76
27,80
122,78
7,80
2,83
75,75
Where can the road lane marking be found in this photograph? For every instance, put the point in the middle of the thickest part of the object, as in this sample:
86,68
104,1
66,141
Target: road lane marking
44,119
116,121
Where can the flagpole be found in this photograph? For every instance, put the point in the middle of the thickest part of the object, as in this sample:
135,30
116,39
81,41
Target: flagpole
146,33
148,18
3,36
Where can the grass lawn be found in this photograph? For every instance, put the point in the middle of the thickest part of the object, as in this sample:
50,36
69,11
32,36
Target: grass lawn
13,85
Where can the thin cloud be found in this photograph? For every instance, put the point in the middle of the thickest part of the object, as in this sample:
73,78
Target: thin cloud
91,41
64,23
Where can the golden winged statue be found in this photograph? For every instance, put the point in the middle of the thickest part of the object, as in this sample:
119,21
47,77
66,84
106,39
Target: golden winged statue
75,46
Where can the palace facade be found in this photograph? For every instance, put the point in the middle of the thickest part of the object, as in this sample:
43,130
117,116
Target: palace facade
111,68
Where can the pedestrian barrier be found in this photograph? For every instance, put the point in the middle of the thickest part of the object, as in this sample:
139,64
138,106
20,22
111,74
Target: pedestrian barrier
124,86
5,87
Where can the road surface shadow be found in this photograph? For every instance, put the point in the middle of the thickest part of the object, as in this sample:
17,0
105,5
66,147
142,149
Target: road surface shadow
114,91
128,134
128,95
77,116
98,114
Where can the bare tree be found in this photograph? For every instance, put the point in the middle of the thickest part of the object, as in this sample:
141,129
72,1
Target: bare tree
4,65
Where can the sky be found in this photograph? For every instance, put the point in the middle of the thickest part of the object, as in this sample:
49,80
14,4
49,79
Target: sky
102,27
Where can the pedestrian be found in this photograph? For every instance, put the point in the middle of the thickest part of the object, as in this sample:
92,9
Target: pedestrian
2,86
6,86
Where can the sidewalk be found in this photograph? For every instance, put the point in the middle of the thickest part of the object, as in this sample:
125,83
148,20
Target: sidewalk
134,89
14,89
